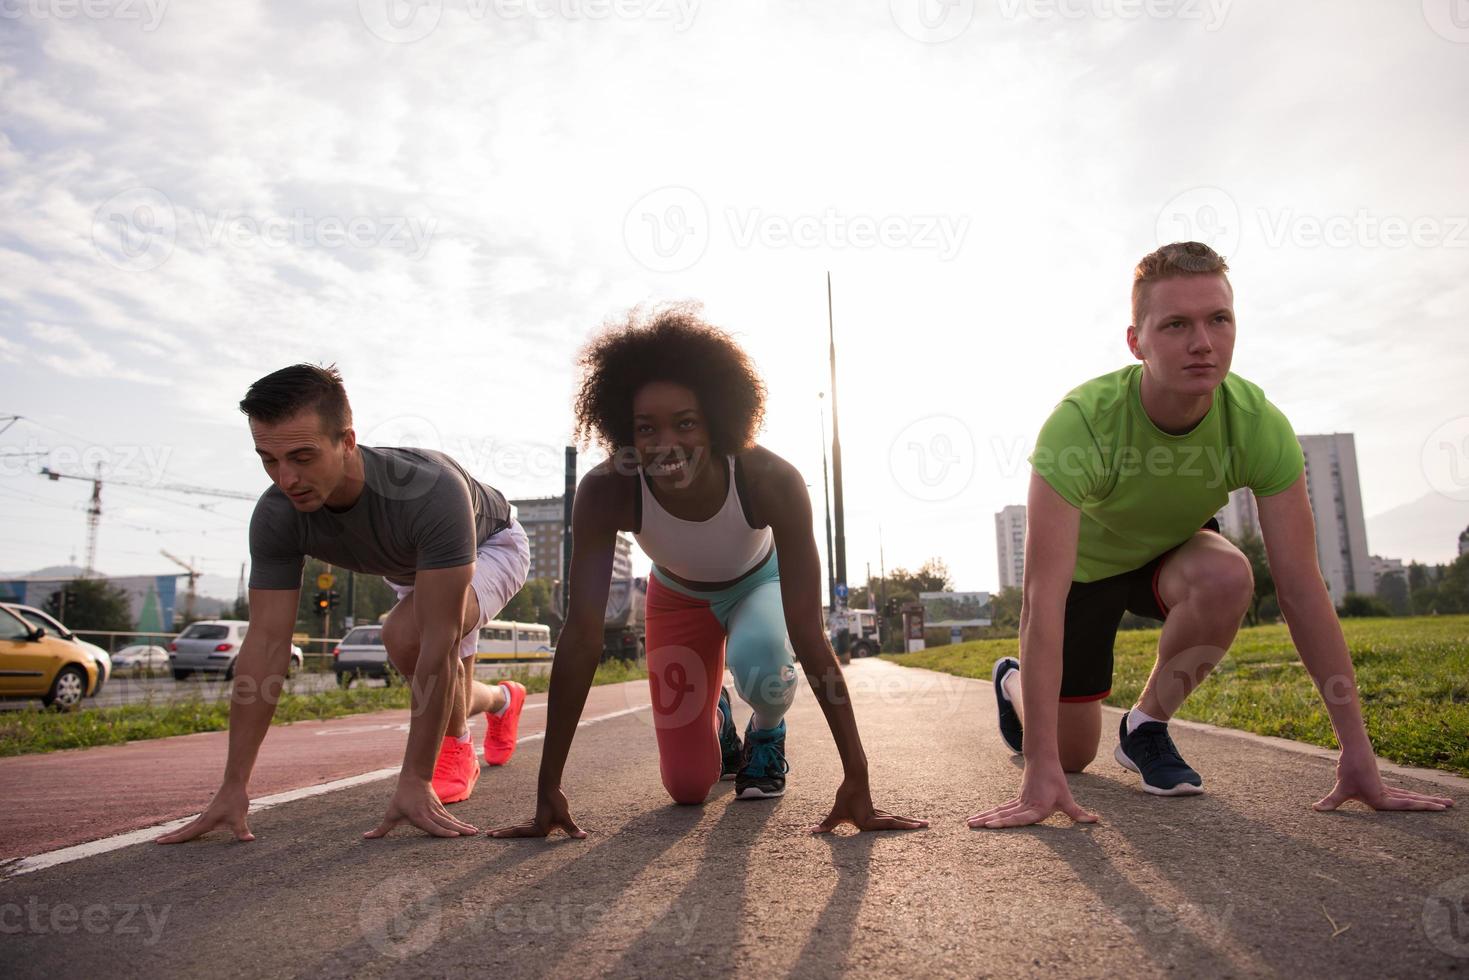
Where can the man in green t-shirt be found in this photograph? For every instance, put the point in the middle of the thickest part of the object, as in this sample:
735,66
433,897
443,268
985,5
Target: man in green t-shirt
1126,474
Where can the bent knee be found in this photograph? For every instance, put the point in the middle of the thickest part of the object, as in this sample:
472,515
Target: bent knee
1076,763
688,792
1224,580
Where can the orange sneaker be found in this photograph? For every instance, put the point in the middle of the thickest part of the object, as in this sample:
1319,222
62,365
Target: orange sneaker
500,731
456,772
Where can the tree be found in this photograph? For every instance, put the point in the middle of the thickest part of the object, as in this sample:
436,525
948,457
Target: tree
532,604
1393,591
95,604
1357,604
901,586
1005,608
1254,549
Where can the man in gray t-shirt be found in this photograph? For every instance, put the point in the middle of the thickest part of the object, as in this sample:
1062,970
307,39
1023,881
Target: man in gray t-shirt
445,542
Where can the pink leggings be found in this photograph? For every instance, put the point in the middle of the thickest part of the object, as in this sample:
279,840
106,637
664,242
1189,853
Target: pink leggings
688,633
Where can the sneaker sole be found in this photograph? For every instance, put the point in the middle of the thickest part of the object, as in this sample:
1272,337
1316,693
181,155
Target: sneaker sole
1182,789
756,793
727,777
995,679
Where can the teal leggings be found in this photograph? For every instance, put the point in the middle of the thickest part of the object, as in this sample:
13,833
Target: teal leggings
690,635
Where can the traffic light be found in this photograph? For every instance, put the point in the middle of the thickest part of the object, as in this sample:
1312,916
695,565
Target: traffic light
323,601
892,607
332,598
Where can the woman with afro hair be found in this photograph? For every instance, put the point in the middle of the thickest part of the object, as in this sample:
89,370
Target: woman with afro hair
676,403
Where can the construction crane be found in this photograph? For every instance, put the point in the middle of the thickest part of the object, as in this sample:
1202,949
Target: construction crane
94,509
194,574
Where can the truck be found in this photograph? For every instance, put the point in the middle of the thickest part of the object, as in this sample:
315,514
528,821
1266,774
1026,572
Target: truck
624,635
861,625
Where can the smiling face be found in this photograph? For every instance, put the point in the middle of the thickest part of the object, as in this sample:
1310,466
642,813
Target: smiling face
302,458
1185,333
670,433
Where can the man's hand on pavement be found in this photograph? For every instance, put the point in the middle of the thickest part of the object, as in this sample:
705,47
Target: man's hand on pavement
1043,791
415,801
1357,778
228,809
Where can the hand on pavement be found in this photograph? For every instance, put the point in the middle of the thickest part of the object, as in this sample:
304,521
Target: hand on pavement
854,806
1042,793
1357,778
552,811
415,801
227,809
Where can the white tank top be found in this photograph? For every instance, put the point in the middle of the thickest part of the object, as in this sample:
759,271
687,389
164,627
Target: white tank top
720,549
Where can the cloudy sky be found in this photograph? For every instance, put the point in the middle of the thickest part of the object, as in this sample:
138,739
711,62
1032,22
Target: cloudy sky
445,199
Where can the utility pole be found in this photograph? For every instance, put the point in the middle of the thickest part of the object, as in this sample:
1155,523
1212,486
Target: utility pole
840,541
831,568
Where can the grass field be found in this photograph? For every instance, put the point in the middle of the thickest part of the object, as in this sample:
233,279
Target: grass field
1413,675
24,732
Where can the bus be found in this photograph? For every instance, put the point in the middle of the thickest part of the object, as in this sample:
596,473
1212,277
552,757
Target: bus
501,640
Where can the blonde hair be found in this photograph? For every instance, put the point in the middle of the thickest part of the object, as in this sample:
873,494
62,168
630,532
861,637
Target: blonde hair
1170,261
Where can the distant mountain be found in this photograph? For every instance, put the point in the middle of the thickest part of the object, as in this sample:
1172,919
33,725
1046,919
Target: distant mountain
1424,530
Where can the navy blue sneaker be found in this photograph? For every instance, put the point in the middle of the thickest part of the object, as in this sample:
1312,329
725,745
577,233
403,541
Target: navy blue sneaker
1150,753
1010,731
763,773
731,754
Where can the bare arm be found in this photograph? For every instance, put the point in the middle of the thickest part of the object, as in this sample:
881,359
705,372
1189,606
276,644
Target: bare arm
1051,528
1290,543
438,597
594,525
801,592
260,673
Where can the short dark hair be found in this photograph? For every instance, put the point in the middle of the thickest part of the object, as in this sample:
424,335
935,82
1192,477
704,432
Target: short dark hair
1171,261
668,343
285,393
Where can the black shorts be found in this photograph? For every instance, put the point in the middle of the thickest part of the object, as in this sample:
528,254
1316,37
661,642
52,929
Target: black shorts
1093,612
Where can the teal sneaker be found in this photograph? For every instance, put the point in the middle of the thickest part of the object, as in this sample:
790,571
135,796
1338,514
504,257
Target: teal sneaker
731,753
763,773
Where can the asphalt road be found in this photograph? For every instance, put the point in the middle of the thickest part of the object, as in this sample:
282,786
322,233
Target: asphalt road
122,689
1243,880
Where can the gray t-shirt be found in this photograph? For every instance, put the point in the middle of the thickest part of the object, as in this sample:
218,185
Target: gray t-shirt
419,510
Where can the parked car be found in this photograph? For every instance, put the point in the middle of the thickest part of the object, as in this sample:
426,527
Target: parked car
35,664
53,627
361,654
140,658
211,646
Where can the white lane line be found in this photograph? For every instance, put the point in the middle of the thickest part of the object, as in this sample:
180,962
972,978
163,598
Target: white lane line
77,852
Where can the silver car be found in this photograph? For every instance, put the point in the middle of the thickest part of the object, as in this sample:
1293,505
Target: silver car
362,654
141,658
211,646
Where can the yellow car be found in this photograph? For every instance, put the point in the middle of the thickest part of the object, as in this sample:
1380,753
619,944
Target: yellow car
34,664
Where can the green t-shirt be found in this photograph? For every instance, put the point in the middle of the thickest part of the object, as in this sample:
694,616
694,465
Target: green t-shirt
1142,491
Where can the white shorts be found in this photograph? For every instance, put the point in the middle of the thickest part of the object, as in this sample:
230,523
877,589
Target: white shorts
500,567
